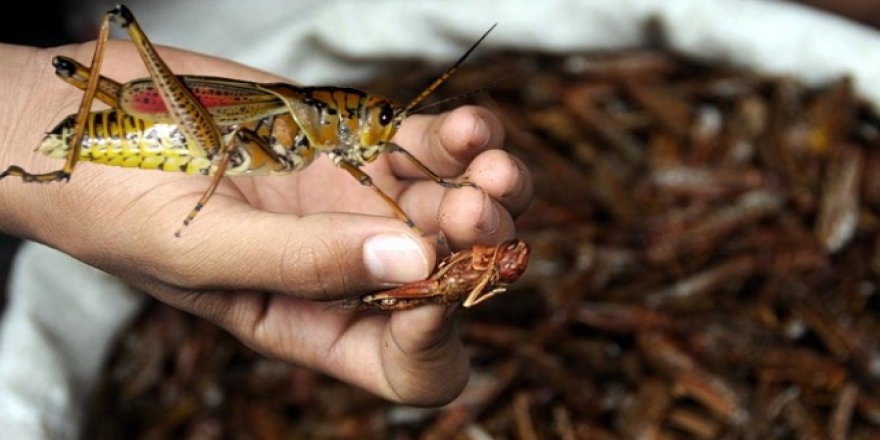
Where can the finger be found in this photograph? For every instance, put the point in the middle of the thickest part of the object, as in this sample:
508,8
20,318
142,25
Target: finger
470,216
425,361
463,215
413,357
321,256
446,143
504,178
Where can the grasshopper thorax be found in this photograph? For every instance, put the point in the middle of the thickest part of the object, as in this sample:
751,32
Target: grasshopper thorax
347,122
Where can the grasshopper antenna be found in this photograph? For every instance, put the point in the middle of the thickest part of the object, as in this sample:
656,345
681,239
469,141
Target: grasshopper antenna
463,95
442,77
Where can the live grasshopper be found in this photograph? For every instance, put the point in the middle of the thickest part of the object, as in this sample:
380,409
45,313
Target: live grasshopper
222,127
471,276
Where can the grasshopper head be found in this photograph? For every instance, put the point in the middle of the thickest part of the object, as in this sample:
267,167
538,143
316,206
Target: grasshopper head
512,260
379,123
384,116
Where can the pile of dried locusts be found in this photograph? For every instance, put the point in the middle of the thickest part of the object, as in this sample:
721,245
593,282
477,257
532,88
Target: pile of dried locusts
705,256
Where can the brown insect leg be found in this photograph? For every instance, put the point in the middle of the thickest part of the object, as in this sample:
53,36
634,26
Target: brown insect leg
90,91
193,120
222,163
246,139
394,148
366,180
190,115
420,289
54,176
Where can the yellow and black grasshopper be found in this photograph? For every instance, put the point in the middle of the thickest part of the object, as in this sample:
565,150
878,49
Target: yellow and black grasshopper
221,127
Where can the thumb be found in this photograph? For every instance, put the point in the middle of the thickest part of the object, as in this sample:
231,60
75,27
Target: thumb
321,256
423,357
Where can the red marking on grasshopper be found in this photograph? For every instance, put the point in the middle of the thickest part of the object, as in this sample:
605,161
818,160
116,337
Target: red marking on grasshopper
150,102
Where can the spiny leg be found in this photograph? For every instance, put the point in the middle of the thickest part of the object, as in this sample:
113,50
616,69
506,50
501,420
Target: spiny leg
221,167
85,106
243,139
222,163
193,120
394,148
366,180
240,138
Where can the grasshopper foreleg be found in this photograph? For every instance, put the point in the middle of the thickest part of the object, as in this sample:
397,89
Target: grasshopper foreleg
394,148
190,115
366,180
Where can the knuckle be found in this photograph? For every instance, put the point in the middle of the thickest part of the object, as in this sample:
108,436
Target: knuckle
313,269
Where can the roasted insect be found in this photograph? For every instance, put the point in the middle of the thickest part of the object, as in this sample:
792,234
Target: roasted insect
471,276
219,126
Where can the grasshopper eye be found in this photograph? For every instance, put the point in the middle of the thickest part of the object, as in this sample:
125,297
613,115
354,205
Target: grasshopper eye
386,115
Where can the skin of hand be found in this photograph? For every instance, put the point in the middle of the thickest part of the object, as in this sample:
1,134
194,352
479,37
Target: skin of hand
266,252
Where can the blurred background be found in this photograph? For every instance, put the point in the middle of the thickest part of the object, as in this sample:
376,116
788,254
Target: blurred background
708,272
53,22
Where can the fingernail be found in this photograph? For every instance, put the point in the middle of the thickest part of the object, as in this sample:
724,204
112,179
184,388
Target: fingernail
519,181
481,133
490,216
395,258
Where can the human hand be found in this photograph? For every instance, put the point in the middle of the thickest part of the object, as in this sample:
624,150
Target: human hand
265,248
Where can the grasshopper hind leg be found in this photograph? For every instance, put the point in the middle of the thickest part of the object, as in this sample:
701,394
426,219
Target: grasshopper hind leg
222,164
367,181
394,148
215,181
248,143
77,75
90,86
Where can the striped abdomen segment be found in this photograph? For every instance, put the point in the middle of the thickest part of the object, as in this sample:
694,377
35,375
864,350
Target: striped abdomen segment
115,138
